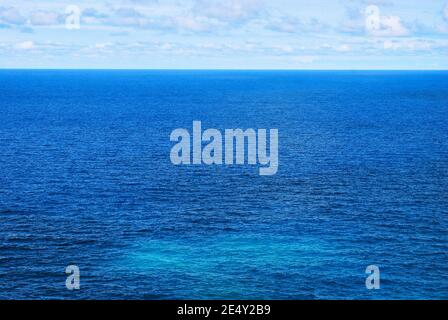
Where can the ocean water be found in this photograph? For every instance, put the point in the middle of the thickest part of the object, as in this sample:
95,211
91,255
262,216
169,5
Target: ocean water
86,179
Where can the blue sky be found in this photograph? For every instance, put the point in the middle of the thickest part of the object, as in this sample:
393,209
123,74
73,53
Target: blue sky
229,34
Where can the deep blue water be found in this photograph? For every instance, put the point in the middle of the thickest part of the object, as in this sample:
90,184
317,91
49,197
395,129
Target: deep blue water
86,179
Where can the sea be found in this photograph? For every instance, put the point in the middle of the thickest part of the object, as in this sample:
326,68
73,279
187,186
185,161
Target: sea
86,180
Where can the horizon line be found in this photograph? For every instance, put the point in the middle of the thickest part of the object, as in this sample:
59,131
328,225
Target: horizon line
213,69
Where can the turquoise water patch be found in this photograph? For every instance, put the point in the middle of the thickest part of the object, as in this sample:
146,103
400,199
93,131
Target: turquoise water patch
233,266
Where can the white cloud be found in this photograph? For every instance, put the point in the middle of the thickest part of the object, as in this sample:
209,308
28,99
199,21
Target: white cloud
102,45
11,16
295,25
127,17
384,26
388,44
45,18
229,10
26,45
192,23
285,48
445,11
442,28
411,45
390,26
382,3
343,48
304,59
168,19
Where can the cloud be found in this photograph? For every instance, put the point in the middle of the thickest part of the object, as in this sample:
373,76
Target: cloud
45,18
192,23
295,25
343,48
102,45
235,11
11,16
304,59
201,16
126,12
93,13
91,16
285,48
382,3
442,28
445,12
391,26
166,20
354,22
26,45
381,25
127,17
175,19
415,45
143,2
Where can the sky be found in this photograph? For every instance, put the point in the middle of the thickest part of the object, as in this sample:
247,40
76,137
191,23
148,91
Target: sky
228,34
